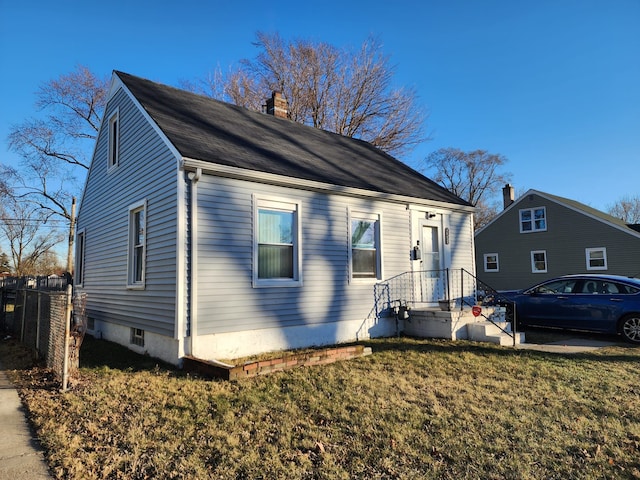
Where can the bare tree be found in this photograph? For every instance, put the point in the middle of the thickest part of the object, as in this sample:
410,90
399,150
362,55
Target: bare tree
473,176
55,147
5,173
22,225
49,264
74,104
627,209
340,90
4,263
485,212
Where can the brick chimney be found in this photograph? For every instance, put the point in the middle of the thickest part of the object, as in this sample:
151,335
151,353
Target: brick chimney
507,195
277,105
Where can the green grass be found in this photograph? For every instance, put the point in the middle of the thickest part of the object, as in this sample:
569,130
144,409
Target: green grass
413,409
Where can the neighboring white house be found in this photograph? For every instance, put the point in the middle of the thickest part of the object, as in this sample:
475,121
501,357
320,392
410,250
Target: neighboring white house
211,230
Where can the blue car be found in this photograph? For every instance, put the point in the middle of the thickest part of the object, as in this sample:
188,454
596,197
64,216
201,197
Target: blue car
596,303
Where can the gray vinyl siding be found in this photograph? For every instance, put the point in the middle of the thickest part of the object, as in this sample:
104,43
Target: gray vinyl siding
227,299
147,170
568,234
461,242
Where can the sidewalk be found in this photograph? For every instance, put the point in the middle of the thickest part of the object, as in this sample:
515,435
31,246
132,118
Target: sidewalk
570,345
20,455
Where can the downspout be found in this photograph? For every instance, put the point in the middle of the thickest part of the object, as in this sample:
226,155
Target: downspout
193,259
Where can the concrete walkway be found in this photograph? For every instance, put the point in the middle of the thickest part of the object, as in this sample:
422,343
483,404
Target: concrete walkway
569,345
20,455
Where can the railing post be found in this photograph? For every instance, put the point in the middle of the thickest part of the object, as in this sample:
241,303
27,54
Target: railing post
446,277
514,326
461,291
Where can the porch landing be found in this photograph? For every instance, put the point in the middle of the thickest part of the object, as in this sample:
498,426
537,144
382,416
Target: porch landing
461,324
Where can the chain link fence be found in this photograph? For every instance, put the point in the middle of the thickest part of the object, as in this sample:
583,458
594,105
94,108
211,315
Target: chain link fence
51,322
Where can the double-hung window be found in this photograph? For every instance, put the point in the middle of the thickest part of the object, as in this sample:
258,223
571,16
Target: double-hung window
114,139
276,243
539,261
365,246
137,245
533,220
596,258
491,263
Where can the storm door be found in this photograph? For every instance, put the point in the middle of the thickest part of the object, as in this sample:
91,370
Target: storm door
431,265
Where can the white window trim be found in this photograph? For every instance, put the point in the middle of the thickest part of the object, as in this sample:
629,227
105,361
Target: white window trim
588,252
533,263
376,217
80,257
486,256
131,284
285,204
533,222
114,150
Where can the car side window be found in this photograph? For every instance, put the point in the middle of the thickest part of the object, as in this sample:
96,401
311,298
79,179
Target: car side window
557,287
591,286
624,289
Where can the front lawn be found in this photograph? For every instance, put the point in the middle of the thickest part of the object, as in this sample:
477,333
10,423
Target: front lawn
414,409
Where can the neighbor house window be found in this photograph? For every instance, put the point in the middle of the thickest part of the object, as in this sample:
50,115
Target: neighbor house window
114,139
137,337
365,245
533,220
539,261
277,242
596,258
79,273
137,244
491,262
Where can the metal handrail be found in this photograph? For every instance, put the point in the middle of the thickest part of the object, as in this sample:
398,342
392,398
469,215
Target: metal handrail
457,287
489,296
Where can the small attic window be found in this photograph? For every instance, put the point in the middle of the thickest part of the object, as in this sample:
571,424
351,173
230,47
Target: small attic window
114,139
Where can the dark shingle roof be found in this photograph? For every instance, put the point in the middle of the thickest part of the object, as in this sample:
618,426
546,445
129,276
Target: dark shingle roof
202,128
589,210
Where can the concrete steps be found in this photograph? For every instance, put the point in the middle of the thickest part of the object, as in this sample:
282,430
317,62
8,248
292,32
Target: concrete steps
461,324
486,331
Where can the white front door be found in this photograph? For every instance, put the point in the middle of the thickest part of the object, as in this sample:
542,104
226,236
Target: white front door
430,264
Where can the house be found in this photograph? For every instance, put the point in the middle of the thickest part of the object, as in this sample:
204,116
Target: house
540,236
209,230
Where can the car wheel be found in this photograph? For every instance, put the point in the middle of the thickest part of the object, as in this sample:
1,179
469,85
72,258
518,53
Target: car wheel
630,328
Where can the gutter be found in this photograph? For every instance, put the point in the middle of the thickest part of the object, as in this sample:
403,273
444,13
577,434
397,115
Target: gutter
192,165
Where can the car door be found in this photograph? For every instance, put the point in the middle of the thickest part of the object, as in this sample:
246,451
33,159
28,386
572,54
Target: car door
550,304
598,305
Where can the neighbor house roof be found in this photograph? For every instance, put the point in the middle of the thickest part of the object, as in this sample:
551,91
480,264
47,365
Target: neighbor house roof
576,206
588,210
201,128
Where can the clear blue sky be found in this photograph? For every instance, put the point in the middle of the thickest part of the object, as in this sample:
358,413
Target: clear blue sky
554,85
